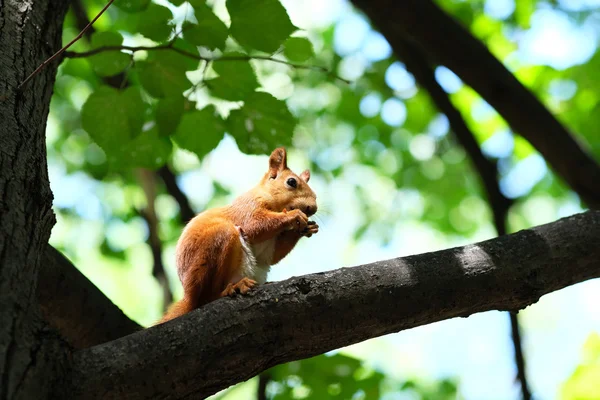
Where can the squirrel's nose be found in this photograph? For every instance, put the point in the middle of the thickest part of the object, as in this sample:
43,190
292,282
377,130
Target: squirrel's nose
310,210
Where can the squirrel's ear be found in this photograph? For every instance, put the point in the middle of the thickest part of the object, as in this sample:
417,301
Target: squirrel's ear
277,161
305,175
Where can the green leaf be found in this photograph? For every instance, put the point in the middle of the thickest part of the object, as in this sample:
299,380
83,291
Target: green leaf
298,49
338,376
260,24
236,79
197,3
163,74
108,63
176,2
161,79
523,11
113,118
200,131
132,5
185,55
147,150
262,124
210,31
168,114
153,22
135,107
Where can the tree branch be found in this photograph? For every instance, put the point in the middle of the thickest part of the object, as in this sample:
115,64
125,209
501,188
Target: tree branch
515,333
231,340
419,66
148,184
453,46
186,212
76,308
169,47
263,381
64,48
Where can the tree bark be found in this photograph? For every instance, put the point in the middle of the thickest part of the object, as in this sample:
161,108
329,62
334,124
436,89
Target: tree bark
77,309
32,357
231,340
452,45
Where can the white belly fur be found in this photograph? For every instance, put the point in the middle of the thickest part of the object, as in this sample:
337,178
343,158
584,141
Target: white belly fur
257,259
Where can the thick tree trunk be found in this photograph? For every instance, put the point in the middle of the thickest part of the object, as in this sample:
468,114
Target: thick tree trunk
32,357
231,340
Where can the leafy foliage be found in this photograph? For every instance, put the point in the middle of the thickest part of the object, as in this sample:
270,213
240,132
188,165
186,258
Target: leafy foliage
259,24
210,31
263,123
381,137
168,114
154,22
113,118
164,88
341,376
236,79
336,376
298,49
111,62
583,383
132,5
200,131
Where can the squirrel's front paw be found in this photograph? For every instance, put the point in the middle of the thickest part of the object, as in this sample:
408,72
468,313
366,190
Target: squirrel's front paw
311,229
298,221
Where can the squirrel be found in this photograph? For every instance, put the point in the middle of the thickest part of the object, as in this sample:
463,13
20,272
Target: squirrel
228,250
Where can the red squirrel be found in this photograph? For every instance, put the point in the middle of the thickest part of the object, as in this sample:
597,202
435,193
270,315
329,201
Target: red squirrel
228,250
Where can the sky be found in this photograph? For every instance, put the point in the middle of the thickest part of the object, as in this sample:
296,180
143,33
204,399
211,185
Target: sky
477,350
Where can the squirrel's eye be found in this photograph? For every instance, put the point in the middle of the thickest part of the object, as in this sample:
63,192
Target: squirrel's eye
291,182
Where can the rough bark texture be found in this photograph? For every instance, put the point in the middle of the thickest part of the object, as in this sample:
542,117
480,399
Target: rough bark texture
31,355
450,44
77,309
231,340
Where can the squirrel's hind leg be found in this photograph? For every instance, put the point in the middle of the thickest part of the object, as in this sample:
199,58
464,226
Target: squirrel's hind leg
242,262
242,286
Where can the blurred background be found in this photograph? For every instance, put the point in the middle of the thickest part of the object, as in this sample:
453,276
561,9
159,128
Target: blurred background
391,181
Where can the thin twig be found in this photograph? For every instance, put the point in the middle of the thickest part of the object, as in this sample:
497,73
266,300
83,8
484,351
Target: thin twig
118,81
147,181
169,46
519,358
263,380
416,63
59,52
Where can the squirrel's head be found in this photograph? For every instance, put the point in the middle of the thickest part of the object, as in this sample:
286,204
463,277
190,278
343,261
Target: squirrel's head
286,189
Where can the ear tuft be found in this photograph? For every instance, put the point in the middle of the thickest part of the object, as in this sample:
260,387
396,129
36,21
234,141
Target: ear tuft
305,175
277,161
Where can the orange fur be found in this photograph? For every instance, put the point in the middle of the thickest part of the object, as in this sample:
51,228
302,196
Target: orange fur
211,253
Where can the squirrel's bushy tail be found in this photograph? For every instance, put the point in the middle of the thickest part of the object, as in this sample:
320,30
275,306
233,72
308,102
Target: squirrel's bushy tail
177,309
